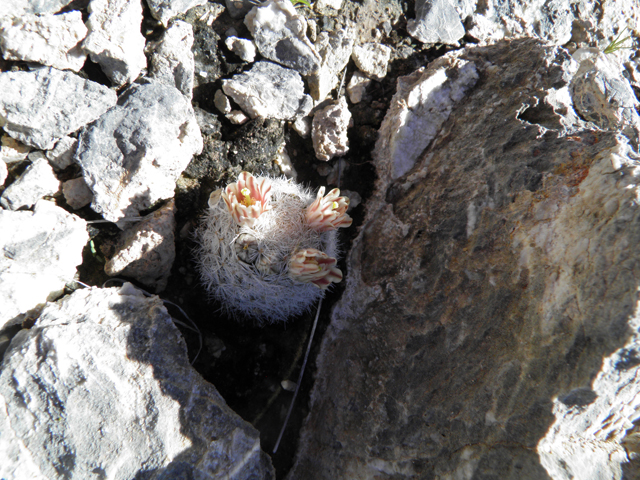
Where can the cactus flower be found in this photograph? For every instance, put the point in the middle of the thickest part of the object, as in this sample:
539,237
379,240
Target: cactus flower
328,212
247,199
313,266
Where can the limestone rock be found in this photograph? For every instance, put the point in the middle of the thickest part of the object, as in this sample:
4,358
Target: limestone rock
41,250
165,10
372,59
437,21
101,385
37,181
270,91
17,8
335,50
489,325
76,193
39,107
133,154
61,156
242,47
329,131
49,39
280,35
146,250
357,86
114,40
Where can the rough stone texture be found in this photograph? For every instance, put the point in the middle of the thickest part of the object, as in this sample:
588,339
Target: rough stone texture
17,8
329,131
221,101
62,154
40,252
41,106
281,35
37,181
269,91
372,59
114,40
50,39
489,325
3,172
245,49
76,193
357,86
171,60
133,154
335,50
165,10
437,21
146,250
12,150
101,386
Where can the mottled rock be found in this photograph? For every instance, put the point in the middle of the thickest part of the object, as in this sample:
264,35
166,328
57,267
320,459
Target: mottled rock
39,107
41,250
357,86
243,48
133,154
17,8
146,250
171,60
62,154
49,39
165,10
335,50
489,325
270,91
114,40
280,35
37,181
329,131
101,385
437,21
372,59
76,193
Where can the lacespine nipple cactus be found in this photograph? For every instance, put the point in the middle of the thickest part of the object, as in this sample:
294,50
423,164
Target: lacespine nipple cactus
269,250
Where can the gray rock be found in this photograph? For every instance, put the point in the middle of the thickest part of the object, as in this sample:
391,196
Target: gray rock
437,21
270,91
280,35
146,250
171,60
101,385
52,40
41,250
243,48
239,8
40,107
37,181
329,131
335,50
357,86
488,327
114,40
237,117
133,154
62,154
76,193
221,101
372,59
17,8
165,10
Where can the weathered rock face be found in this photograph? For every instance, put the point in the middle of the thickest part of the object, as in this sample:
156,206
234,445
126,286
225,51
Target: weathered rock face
489,326
101,386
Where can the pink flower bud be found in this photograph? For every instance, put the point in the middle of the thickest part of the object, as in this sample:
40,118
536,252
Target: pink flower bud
328,213
247,199
313,266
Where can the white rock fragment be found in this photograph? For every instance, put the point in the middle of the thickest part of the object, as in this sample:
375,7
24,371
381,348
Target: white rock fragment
37,181
114,40
329,131
221,101
41,251
3,172
270,91
437,21
335,50
76,193
49,39
357,86
146,250
242,47
17,8
171,59
280,35
165,10
41,106
302,126
12,150
132,155
237,117
62,154
372,59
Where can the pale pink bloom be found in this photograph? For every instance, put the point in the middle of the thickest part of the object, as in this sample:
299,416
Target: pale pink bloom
313,266
328,213
248,198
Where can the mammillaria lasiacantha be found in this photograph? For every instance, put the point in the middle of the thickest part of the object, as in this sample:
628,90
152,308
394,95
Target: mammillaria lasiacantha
268,249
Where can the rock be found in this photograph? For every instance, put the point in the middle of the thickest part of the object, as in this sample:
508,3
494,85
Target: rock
239,8
329,131
280,35
62,154
222,102
133,154
335,50
17,8
76,193
102,385
37,181
171,60
3,172
270,91
237,117
322,4
165,10
114,40
12,150
243,48
146,250
49,39
437,21
40,107
489,325
357,86
302,126
41,250
372,59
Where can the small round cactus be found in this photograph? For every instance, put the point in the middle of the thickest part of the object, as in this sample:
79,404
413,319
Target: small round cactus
267,248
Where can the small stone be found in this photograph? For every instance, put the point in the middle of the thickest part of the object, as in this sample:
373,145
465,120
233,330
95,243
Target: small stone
163,10
76,193
372,59
12,150
237,117
302,126
242,47
322,4
357,86
37,181
221,101
17,8
329,131
3,172
437,21
62,154
50,39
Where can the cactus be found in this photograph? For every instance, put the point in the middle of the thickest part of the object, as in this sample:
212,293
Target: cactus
268,251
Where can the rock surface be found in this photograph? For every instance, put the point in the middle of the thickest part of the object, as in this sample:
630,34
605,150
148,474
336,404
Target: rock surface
17,8
489,325
102,362
329,131
76,193
61,156
372,59
165,10
37,181
242,47
437,21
